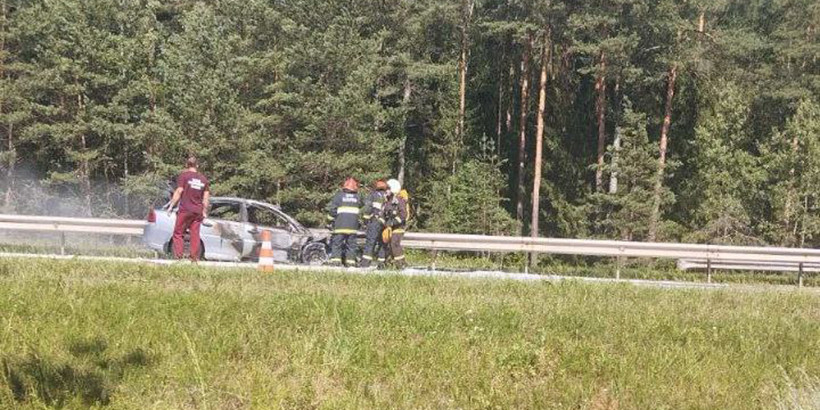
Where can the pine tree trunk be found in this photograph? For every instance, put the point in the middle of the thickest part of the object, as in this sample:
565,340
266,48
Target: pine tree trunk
499,121
408,90
667,121
467,10
803,221
613,176
12,157
508,124
539,137
126,174
85,177
85,167
9,197
616,144
522,131
791,195
402,159
600,114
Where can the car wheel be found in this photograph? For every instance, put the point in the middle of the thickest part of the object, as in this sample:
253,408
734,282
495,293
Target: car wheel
186,250
314,254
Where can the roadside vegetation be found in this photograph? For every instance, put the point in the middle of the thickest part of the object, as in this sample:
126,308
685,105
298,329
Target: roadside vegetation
79,335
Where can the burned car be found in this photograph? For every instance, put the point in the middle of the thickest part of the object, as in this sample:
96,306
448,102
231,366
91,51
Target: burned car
233,230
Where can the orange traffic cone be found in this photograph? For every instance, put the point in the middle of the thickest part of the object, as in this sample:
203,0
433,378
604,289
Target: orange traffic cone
265,253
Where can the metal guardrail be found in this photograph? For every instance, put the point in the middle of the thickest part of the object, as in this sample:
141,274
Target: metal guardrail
684,264
611,248
694,256
709,266
711,257
63,224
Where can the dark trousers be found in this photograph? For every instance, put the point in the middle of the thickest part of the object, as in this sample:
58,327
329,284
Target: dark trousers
343,246
187,221
396,250
373,246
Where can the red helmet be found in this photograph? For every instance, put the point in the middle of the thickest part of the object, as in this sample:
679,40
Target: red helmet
351,184
380,185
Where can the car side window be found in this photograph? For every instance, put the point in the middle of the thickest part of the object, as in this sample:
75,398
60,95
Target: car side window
227,211
258,215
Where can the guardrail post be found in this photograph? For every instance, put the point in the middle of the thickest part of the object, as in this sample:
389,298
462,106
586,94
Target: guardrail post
708,271
62,243
618,262
435,256
800,275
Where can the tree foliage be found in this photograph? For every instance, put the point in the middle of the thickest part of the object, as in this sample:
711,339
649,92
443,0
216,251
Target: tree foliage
101,101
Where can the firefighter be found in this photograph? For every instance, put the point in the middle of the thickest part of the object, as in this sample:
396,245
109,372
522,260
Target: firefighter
394,217
373,205
343,219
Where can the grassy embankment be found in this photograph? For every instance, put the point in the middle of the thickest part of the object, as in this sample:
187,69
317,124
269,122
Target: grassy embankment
135,336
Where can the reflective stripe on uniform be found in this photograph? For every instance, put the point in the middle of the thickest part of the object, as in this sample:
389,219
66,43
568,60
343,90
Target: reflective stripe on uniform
336,260
382,259
367,217
348,210
344,231
398,230
398,258
330,218
377,205
367,257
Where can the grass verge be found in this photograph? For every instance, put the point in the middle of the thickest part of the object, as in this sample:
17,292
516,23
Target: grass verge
77,335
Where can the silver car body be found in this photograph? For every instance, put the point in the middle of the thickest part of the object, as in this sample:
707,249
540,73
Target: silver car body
232,232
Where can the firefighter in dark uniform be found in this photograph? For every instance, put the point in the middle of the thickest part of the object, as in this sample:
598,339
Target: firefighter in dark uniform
343,216
373,205
394,217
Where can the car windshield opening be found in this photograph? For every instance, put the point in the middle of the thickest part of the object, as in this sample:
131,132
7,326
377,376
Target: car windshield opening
226,211
258,215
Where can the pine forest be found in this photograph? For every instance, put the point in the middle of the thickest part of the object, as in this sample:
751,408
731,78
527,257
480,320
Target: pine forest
645,120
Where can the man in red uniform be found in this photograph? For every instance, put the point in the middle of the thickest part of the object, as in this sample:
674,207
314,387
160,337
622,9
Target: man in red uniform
192,194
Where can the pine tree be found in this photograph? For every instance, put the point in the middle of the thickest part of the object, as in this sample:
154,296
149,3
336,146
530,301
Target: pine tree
792,158
628,211
727,171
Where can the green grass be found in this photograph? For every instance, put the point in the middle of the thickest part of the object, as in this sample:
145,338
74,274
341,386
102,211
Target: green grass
80,335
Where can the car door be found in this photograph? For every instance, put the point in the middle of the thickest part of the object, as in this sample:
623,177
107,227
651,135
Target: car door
223,232
260,218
